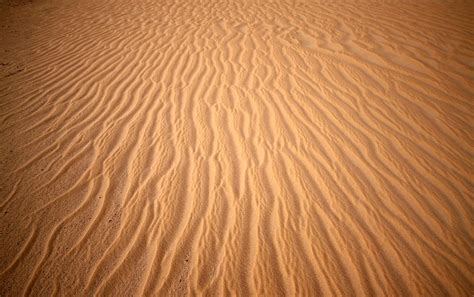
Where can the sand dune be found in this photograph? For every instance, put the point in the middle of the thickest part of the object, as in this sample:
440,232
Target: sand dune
236,148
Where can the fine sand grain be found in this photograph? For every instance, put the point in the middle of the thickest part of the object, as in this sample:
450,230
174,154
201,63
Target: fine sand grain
236,148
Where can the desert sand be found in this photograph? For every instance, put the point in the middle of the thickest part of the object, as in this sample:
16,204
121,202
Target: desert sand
236,148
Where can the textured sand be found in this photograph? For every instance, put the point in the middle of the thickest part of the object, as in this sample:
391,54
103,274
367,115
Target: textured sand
222,148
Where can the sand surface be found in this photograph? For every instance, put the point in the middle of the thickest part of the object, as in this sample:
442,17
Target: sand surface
236,148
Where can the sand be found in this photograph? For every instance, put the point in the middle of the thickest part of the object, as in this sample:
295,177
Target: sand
236,148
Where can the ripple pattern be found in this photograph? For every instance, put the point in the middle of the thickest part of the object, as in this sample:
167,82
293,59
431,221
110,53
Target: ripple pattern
239,148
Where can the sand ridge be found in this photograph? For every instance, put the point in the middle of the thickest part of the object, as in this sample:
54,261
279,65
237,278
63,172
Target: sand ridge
249,148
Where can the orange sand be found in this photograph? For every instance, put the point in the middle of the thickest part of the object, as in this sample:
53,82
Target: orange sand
236,148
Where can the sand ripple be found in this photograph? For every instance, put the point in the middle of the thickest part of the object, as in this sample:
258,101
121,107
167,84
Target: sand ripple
271,148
